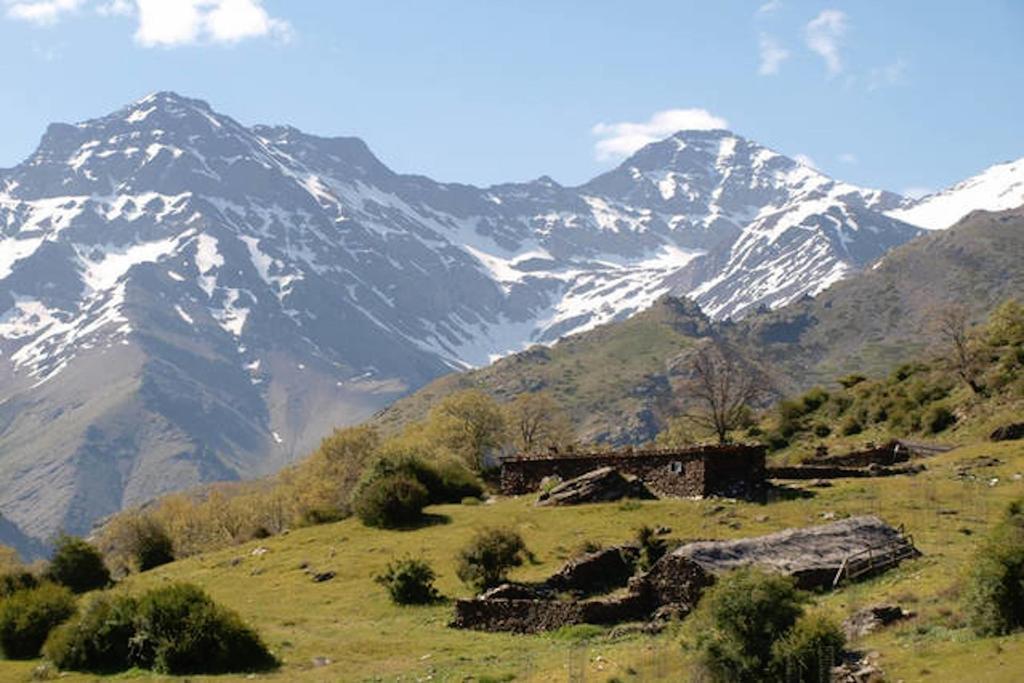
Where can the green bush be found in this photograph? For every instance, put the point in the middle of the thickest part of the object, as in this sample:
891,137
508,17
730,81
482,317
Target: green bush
807,653
937,419
822,430
409,582
17,580
174,630
180,630
77,565
850,425
995,588
28,616
850,381
490,554
814,399
742,617
98,639
652,548
391,502
446,483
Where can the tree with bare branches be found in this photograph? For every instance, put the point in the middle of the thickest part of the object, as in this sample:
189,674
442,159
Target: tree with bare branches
953,327
723,387
535,420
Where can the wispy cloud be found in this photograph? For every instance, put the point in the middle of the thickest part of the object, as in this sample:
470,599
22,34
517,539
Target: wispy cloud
848,158
890,74
769,7
617,140
805,160
772,55
824,35
41,12
168,23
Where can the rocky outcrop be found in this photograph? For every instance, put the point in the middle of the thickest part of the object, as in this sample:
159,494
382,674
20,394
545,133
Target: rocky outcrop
869,620
600,485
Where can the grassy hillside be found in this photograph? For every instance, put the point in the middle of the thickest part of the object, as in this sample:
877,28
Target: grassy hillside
622,369
619,381
350,622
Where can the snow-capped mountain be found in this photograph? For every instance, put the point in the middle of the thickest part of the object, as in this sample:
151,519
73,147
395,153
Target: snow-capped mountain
183,298
997,188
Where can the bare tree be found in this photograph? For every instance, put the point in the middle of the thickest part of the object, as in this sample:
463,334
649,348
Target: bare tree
724,388
536,420
953,326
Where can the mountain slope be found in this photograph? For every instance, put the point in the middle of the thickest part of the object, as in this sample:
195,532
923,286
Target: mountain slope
620,381
996,188
184,298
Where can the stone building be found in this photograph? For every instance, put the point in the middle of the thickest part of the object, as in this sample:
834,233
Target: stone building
731,470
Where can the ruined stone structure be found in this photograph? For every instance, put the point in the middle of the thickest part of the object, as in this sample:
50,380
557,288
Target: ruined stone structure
816,557
734,470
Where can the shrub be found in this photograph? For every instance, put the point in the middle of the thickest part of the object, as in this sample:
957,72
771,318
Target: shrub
822,430
17,580
746,612
652,548
28,616
814,399
446,483
808,651
77,565
180,630
98,639
488,557
136,541
409,582
995,588
850,381
391,501
938,418
850,425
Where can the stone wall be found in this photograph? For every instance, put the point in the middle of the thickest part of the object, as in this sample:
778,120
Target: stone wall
732,470
534,616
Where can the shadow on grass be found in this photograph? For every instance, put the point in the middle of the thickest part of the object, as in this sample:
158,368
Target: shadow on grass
427,519
781,492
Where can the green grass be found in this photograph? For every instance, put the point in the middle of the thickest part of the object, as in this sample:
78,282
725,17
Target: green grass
350,621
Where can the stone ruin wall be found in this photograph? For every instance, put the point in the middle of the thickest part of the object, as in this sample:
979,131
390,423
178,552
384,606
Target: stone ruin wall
735,471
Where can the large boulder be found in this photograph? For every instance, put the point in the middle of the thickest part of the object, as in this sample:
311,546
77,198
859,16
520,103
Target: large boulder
596,572
600,485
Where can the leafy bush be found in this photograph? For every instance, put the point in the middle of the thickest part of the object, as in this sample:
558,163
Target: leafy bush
822,430
807,653
814,399
745,614
938,418
995,589
409,582
174,630
851,425
98,639
488,557
850,381
391,501
652,548
28,616
180,630
77,565
446,483
17,580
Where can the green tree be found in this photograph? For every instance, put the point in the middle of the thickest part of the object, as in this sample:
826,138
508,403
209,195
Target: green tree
77,565
486,560
470,424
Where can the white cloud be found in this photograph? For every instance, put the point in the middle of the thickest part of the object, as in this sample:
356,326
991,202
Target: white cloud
772,55
622,139
890,74
805,160
42,12
824,35
769,7
916,192
848,158
169,23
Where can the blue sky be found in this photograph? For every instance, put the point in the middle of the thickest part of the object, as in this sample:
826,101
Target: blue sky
886,94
